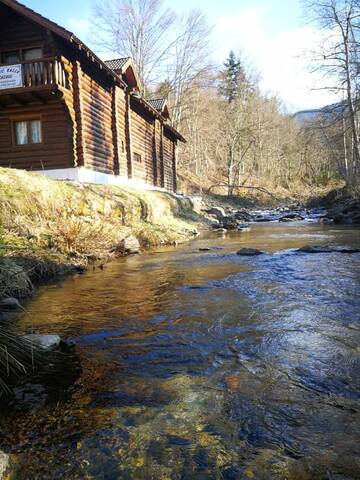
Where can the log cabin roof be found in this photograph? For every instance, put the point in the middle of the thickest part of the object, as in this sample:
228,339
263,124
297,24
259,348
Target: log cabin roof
117,63
126,68
158,103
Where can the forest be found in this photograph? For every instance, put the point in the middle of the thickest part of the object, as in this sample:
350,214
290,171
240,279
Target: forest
239,137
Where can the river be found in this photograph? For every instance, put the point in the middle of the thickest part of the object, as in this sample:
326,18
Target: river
199,365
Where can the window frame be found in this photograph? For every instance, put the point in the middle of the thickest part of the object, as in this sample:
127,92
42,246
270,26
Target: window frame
137,157
21,54
28,119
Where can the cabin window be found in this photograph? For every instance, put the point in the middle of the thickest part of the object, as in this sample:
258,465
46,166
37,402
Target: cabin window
28,132
137,157
11,58
17,56
32,54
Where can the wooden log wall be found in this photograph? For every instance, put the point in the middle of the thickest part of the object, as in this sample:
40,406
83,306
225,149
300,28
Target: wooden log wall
56,149
169,159
16,32
121,131
96,123
142,130
158,167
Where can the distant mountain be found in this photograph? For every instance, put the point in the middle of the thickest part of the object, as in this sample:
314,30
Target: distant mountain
329,112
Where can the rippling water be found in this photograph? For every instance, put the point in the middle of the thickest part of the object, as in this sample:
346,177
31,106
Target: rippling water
196,364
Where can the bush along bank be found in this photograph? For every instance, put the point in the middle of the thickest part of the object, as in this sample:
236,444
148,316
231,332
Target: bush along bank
50,228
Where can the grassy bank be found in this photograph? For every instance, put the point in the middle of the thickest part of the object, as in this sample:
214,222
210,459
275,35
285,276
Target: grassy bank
49,227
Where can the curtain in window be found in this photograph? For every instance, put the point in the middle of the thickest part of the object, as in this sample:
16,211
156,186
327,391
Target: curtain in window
36,131
21,133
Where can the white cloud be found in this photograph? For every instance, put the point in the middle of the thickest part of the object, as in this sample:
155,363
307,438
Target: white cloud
279,57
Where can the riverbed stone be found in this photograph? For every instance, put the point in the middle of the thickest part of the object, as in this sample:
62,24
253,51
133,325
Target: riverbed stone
292,217
229,223
128,246
327,249
47,342
10,303
243,227
346,213
219,212
243,215
250,252
4,464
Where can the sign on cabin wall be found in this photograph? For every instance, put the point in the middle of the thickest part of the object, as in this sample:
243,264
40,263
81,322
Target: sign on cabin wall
10,77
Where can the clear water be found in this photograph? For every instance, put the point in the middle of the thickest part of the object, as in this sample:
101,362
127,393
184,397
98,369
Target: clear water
196,364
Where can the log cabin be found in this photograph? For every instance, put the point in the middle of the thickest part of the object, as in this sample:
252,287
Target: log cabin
70,115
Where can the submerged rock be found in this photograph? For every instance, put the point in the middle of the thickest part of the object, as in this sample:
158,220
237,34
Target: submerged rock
250,252
229,223
292,217
46,342
9,303
243,227
4,464
327,249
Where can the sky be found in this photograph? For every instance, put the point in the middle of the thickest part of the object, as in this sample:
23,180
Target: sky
273,36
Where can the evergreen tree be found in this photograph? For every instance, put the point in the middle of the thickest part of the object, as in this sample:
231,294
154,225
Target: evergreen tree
233,75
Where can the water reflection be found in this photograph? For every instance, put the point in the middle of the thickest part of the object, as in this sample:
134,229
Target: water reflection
203,365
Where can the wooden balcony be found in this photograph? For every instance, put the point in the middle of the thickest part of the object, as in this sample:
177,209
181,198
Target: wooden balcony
42,80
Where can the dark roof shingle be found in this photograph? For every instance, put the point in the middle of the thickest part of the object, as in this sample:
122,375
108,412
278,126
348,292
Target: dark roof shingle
117,63
158,103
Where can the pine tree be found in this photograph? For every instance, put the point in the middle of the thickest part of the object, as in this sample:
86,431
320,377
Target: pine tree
233,75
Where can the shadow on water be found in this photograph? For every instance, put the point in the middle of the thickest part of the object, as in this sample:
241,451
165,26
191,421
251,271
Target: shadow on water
200,365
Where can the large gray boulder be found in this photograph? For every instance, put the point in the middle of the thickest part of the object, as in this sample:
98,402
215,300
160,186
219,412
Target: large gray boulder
46,342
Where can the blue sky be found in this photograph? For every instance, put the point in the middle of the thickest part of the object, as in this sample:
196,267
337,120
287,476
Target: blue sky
272,35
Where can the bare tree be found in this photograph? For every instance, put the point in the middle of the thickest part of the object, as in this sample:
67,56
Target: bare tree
190,61
338,58
140,29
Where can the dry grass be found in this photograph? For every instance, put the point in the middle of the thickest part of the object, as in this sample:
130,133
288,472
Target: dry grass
47,226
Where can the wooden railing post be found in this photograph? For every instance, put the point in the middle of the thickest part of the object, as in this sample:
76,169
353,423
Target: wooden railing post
36,73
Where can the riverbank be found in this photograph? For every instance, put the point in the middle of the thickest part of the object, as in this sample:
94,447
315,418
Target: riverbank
342,205
50,228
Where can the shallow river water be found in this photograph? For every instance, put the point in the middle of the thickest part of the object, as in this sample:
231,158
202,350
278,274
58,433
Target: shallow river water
199,365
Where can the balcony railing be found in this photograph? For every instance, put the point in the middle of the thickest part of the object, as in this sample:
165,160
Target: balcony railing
47,71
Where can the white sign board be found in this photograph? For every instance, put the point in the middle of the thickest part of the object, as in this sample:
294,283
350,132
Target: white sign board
10,77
